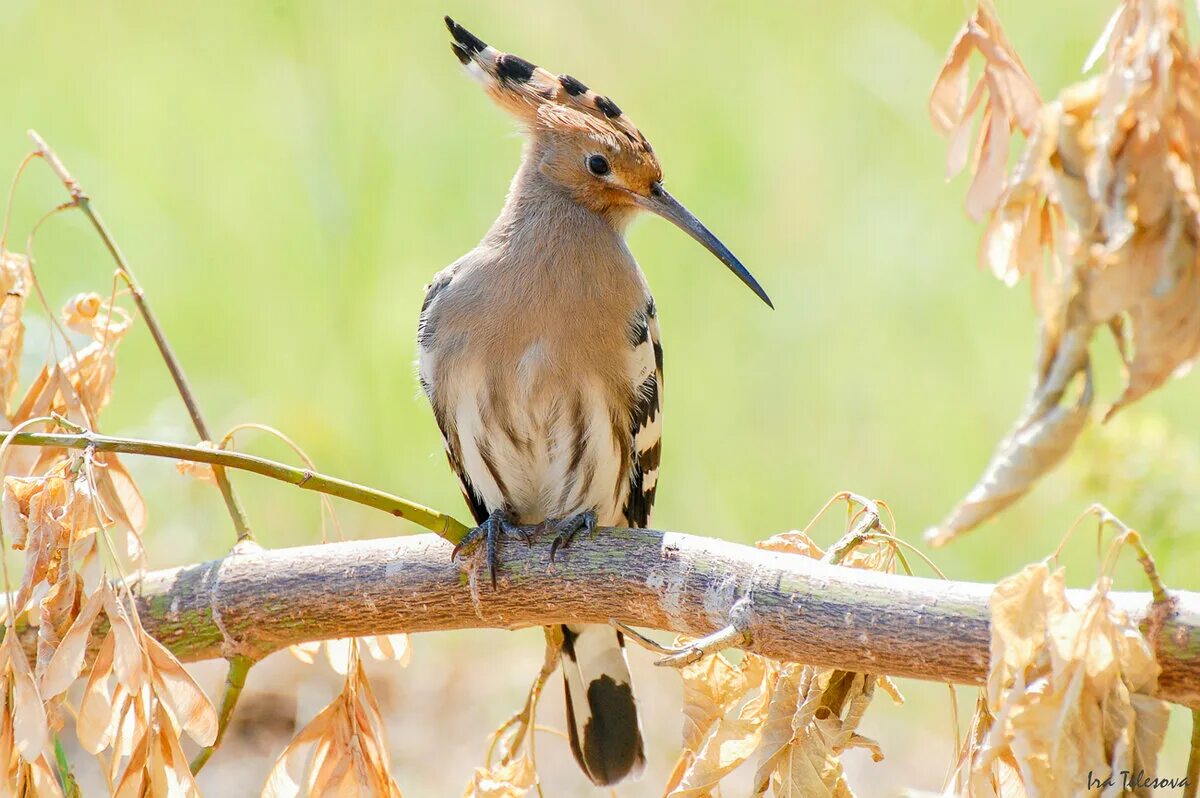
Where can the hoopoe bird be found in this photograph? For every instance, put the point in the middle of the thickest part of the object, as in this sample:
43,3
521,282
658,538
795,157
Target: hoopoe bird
539,352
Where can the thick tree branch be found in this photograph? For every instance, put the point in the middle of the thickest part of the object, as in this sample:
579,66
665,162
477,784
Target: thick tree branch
255,602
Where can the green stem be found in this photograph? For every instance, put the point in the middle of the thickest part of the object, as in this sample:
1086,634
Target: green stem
84,203
235,681
66,777
441,523
1157,588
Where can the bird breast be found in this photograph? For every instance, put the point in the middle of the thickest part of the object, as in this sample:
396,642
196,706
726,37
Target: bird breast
538,434
528,361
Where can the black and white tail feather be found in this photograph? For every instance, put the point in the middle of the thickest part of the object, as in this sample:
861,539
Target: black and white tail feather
602,718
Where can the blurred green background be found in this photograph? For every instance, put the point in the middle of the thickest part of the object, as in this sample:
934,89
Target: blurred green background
285,177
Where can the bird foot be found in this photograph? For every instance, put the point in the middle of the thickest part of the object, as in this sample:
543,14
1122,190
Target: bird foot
497,525
565,529
735,634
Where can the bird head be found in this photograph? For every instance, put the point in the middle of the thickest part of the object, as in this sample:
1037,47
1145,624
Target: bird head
586,143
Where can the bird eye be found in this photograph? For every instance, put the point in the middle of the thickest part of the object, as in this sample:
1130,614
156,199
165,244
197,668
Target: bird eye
598,165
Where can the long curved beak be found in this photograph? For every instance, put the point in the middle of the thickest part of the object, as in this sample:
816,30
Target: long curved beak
663,204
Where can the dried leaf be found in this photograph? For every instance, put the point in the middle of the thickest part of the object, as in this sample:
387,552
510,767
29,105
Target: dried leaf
797,719
341,751
31,731
711,688
201,471
306,652
67,662
15,282
730,743
1063,693
970,778
81,311
812,720
189,705
809,770
1010,102
396,648
127,650
43,779
1041,439
793,542
340,652
505,780
97,722
1106,188
119,496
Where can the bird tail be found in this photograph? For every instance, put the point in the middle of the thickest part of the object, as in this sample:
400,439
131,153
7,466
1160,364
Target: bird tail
602,719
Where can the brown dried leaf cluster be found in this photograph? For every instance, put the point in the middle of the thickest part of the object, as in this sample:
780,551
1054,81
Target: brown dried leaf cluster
26,752
1103,215
58,506
794,720
1009,99
77,388
342,751
1070,692
137,701
16,281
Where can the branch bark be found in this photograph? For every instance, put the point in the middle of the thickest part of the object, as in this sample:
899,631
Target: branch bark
254,602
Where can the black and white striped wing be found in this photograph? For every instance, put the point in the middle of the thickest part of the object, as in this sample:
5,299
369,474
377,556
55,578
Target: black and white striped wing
645,417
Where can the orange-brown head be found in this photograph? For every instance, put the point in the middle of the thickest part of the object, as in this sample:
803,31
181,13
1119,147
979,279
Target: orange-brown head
587,144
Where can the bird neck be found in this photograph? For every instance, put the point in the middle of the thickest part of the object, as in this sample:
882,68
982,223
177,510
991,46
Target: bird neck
541,212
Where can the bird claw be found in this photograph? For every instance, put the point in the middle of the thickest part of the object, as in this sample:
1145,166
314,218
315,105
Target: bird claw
566,529
735,635
499,523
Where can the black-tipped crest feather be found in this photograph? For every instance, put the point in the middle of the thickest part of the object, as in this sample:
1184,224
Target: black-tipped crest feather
521,87
468,41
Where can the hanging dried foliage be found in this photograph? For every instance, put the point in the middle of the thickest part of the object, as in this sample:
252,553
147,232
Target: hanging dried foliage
342,751
1070,692
794,720
1101,214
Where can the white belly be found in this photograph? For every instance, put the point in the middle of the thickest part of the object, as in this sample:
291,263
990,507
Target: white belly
539,448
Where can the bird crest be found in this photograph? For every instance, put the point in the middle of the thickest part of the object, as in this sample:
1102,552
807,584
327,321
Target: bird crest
545,101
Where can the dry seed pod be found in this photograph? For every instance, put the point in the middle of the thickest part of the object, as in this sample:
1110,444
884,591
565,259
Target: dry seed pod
342,751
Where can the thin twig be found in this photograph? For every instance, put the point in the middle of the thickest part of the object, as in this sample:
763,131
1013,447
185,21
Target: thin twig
867,522
440,523
84,203
235,681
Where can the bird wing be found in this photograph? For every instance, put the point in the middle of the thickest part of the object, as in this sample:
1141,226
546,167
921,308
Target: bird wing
426,331
645,417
